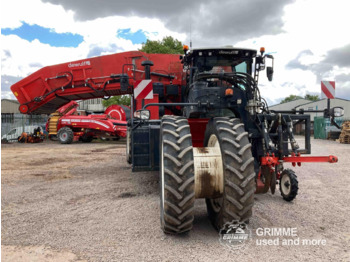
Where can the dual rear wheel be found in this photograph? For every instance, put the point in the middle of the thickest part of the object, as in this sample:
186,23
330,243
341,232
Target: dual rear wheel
178,173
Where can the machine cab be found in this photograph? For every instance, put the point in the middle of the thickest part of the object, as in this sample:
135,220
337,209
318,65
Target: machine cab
219,61
217,76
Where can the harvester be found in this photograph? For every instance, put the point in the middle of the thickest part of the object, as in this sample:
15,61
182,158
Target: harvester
198,118
66,125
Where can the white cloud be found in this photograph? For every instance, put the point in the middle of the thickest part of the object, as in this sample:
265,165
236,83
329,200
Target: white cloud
35,12
315,25
101,32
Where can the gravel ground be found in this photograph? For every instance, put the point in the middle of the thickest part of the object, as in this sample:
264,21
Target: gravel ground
80,202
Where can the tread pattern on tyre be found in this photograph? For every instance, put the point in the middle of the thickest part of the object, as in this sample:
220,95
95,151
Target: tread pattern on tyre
179,194
70,135
294,185
239,174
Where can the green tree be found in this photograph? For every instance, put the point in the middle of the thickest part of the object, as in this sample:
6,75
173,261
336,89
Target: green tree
295,97
117,100
168,45
312,97
290,98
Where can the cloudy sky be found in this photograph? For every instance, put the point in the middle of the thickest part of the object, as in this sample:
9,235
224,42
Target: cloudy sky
308,38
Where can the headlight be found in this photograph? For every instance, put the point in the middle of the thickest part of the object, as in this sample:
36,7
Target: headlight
142,114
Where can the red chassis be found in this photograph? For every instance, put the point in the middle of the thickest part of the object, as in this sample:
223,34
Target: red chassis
93,125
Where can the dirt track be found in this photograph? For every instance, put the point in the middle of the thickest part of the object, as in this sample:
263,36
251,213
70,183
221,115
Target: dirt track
81,202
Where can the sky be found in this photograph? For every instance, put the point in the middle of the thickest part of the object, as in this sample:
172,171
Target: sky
308,38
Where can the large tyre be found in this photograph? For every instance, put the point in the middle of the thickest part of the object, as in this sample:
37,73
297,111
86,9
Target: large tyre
128,146
87,139
238,168
65,135
288,185
177,194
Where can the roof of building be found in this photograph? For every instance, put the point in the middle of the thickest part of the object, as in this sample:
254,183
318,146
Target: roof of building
291,104
10,100
311,102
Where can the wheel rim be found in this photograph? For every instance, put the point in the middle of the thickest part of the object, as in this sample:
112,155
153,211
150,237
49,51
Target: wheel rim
286,184
217,202
64,137
213,141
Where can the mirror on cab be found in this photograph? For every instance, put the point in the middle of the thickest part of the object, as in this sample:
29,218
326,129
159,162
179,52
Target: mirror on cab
337,111
269,73
269,69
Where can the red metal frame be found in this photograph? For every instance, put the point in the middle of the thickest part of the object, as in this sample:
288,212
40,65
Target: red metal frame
94,123
117,112
70,80
198,127
297,159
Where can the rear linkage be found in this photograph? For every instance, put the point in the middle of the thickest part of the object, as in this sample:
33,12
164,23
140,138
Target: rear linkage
275,143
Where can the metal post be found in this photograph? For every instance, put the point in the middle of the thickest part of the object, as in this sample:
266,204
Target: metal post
329,106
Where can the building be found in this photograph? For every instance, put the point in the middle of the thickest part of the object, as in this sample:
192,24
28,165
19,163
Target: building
9,109
289,105
9,106
322,104
316,105
12,118
92,105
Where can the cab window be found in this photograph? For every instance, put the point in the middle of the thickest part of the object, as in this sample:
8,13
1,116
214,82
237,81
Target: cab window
241,68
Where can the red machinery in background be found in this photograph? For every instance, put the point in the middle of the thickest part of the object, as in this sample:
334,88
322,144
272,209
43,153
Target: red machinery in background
67,125
199,118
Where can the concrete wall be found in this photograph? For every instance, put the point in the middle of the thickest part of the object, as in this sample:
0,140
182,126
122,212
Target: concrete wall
93,105
9,106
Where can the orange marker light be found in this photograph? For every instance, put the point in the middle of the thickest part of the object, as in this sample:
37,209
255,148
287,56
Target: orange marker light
185,47
229,92
262,49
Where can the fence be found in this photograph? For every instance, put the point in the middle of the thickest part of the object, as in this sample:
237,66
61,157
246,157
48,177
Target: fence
11,121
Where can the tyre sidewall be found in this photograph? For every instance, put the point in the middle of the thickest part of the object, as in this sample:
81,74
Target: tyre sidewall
69,135
229,211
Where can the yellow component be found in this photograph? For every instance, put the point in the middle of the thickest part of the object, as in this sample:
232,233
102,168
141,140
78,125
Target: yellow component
53,123
15,93
97,128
